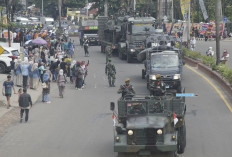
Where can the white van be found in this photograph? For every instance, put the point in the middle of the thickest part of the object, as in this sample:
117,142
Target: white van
6,57
22,20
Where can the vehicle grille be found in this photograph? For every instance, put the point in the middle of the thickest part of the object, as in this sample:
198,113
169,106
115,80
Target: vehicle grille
138,43
144,137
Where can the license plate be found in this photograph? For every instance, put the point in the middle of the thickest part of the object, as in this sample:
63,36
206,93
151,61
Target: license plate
154,44
167,86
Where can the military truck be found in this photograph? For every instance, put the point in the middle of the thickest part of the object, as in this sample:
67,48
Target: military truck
127,34
89,28
147,124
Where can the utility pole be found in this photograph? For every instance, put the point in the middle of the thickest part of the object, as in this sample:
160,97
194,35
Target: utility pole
59,7
172,12
218,18
8,18
106,8
42,7
87,10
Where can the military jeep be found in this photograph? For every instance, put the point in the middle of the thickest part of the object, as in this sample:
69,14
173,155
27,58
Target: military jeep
145,124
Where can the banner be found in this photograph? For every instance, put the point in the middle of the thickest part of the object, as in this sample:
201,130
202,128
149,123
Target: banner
184,5
204,12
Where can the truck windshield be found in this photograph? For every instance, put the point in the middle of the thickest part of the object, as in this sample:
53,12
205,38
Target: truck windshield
142,29
164,60
90,31
156,107
136,108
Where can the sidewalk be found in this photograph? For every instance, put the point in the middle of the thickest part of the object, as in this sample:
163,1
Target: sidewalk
35,94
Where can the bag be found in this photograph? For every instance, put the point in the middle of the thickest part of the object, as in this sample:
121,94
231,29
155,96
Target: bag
44,85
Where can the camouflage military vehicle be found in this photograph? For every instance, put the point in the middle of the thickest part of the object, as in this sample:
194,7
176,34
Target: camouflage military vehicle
147,124
127,34
89,28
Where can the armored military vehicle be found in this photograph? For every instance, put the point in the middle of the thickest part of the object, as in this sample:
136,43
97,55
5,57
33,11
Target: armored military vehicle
127,34
162,58
147,124
89,28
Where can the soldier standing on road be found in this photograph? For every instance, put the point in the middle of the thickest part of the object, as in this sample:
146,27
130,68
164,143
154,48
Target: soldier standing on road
108,53
110,71
25,104
126,89
86,46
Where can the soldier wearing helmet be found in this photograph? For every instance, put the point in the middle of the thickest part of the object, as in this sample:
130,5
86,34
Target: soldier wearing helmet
108,53
127,88
159,86
110,71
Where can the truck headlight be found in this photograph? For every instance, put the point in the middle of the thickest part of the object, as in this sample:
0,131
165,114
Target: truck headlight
132,50
152,77
130,132
117,138
159,131
176,76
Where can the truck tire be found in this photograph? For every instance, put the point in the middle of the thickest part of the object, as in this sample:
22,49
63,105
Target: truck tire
181,141
143,73
120,54
2,68
129,58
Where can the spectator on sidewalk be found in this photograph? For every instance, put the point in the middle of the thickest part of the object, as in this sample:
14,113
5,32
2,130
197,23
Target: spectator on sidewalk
25,72
18,73
41,69
46,89
35,76
7,90
193,43
225,57
25,103
210,52
61,81
12,68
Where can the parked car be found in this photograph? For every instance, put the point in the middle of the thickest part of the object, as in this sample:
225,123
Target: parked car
6,57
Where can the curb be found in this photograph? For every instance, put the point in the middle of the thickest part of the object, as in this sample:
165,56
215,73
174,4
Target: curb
213,74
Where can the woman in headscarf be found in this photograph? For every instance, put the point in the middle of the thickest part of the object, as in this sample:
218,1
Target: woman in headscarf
46,87
35,76
18,73
61,81
72,71
30,74
84,67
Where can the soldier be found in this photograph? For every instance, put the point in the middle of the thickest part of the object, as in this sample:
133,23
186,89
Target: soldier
159,86
110,71
126,89
108,53
86,46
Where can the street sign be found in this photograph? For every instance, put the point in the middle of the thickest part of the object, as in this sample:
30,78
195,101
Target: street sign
1,50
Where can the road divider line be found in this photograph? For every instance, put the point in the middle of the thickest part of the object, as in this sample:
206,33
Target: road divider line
211,83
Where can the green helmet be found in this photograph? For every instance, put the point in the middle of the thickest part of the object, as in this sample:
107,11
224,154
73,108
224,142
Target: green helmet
109,59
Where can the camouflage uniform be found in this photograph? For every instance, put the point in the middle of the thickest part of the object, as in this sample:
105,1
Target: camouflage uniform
110,71
126,89
108,53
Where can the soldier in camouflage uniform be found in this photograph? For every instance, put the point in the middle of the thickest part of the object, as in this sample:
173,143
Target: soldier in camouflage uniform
110,72
108,53
126,89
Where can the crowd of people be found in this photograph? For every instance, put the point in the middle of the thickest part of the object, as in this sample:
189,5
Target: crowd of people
49,63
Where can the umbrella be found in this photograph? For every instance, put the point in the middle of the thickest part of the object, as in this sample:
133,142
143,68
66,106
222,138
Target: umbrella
28,42
39,41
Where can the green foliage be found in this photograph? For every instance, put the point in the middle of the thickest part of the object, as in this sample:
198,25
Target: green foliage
225,72
209,60
191,54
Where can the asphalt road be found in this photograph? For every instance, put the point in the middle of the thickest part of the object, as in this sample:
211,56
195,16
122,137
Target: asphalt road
202,46
80,124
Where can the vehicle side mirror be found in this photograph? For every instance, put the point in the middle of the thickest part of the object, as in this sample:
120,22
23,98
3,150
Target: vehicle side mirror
112,106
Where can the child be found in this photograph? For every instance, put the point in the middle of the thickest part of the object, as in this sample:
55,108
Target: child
20,91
